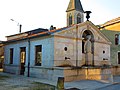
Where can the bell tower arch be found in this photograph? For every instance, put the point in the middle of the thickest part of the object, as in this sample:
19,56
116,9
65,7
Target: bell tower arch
75,12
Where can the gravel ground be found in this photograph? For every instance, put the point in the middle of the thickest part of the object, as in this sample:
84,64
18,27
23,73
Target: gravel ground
17,82
12,82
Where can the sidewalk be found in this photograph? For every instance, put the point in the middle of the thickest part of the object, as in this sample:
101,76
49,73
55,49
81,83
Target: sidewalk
86,84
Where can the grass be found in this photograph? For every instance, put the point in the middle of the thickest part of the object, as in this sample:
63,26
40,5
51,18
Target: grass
41,86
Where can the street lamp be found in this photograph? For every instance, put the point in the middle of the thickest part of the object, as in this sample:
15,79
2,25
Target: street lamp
18,24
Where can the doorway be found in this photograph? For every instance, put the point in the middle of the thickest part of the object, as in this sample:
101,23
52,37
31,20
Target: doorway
22,60
118,57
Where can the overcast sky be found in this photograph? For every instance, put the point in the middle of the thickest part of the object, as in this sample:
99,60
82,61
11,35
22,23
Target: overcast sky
33,14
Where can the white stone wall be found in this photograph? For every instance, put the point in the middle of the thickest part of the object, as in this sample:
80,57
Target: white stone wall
67,38
101,52
73,52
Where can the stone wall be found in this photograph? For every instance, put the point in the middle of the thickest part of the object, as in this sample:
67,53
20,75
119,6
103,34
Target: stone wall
13,69
101,53
114,27
88,74
72,53
48,73
116,70
72,39
71,74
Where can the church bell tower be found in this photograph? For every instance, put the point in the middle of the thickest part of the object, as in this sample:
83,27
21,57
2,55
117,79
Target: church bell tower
75,12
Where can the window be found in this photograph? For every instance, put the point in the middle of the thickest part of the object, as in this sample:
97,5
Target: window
38,55
83,43
103,52
11,56
22,54
65,48
105,59
116,39
70,19
78,18
118,57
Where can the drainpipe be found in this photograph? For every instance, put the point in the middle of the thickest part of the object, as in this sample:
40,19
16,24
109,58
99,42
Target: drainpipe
28,73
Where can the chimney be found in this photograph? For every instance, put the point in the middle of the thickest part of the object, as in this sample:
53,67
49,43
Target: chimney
51,27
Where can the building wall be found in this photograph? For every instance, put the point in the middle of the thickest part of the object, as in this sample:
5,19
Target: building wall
113,48
1,55
15,67
101,53
67,38
73,53
47,54
42,71
114,27
47,50
1,50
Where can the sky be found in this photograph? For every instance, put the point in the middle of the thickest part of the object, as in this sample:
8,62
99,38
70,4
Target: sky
33,14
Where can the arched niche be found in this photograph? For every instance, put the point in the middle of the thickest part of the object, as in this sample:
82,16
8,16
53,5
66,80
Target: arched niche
84,38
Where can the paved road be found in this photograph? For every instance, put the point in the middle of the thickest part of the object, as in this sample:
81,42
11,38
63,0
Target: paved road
94,85
86,84
111,87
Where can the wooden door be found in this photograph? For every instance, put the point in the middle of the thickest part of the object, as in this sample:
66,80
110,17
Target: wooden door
22,60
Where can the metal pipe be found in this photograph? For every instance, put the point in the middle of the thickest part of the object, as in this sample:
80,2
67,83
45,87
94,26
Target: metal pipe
20,28
18,24
28,73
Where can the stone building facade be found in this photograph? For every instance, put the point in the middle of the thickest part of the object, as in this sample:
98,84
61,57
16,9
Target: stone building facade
54,53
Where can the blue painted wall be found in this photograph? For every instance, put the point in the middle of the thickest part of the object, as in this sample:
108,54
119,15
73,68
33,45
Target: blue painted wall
47,51
16,54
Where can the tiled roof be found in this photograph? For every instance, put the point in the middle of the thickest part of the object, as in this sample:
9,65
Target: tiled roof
31,32
34,33
113,21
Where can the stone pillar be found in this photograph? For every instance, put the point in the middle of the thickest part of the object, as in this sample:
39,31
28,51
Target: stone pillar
60,83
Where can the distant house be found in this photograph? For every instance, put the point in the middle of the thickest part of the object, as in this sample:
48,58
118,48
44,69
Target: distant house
112,29
51,53
113,25
115,47
1,53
